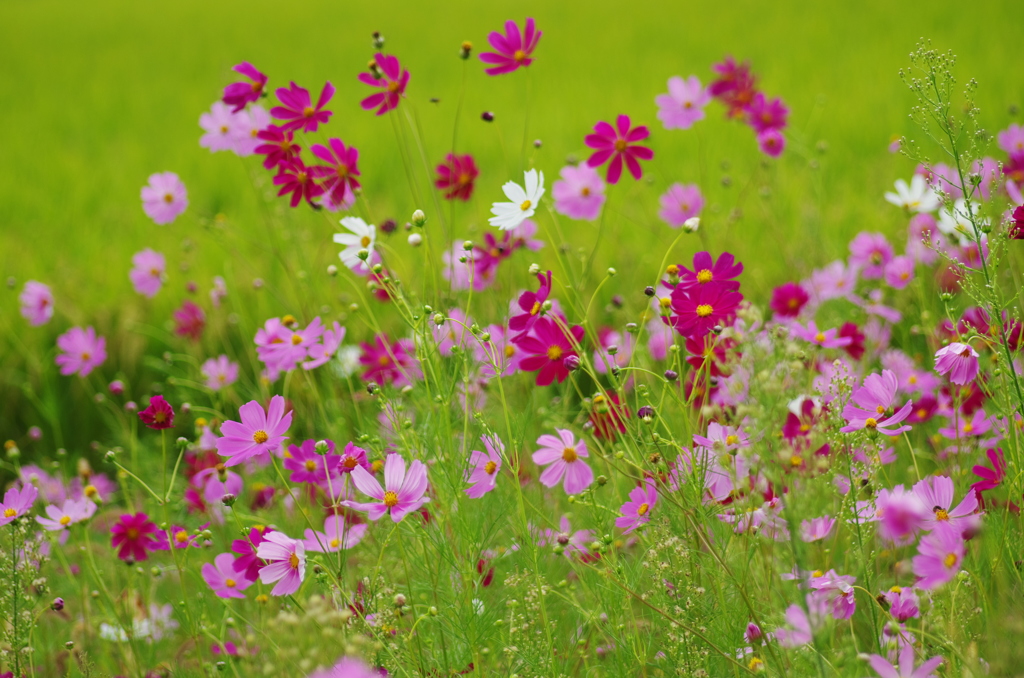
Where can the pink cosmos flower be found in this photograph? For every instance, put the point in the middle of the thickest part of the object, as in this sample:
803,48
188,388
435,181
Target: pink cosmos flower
801,625
164,198
513,49
499,356
279,148
259,433
483,474
936,492
392,84
637,511
835,281
822,338
295,178
238,94
531,304
816,529
838,592
297,109
788,300
338,535
219,372
546,350
870,252
247,128
903,603
217,481
924,238
906,665
455,176
957,361
159,415
772,142
565,455
286,563
939,557
1011,139
899,512
17,503
147,274
899,272
348,667
219,124
282,348
764,115
61,517
352,456
679,203
339,173
619,145
389,362
722,438
36,301
189,320
579,194
135,536
82,351
246,563
967,426
684,104
222,578
402,494
330,342
871,404
604,359
309,466
697,311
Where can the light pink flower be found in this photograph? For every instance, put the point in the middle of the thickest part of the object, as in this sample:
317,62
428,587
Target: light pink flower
906,665
822,338
679,203
17,503
939,557
338,535
217,482
286,563
579,194
222,578
260,433
219,124
82,351
147,274
73,511
722,438
164,198
565,456
219,372
872,404
247,126
499,356
870,252
1011,139
816,529
402,493
36,301
684,104
957,361
899,272
330,342
483,474
936,492
637,511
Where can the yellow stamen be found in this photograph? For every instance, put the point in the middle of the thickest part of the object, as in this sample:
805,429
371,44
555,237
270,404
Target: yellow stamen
310,465
293,561
230,583
260,437
569,454
950,560
365,241
704,310
704,276
490,467
870,423
65,520
525,205
644,508
390,499
941,514
554,352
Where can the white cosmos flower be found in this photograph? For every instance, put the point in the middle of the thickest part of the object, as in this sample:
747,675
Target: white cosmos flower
917,197
957,224
362,237
508,215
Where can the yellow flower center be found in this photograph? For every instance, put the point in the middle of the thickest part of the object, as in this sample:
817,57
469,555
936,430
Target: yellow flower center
870,423
880,409
308,112
554,352
393,86
804,428
796,460
950,560
260,437
704,310
819,337
349,462
704,276
731,440
620,145
342,170
896,589
510,351
365,241
817,573
525,205
310,465
334,543
168,198
86,355
181,536
644,508
665,302
65,520
230,583
293,561
296,339
569,454
490,467
585,191
941,514
968,427
377,466
519,56
390,498
536,308
90,491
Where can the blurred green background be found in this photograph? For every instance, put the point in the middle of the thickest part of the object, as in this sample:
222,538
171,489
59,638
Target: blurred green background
99,95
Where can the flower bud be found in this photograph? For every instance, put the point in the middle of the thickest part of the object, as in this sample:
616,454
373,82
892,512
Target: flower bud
438,319
534,269
399,600
465,50
649,291
388,226
646,413
57,605
631,328
691,225
228,500
419,218
332,270
487,116
571,363
116,387
671,375
378,41
415,239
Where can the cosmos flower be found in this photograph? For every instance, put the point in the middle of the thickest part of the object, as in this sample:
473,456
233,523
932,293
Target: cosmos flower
246,130
294,177
547,349
159,415
872,403
286,563
390,362
238,94
532,305
764,115
696,312
563,455
484,466
637,511
684,104
321,352
164,198
338,535
189,320
899,272
936,493
219,125
524,201
361,236
870,252
679,203
309,466
939,557
816,529
735,86
392,84
279,146
259,433
772,142
135,536
955,221
62,517
219,372
789,299
221,577
82,351
957,361
822,338
455,176
147,274
915,197
579,194
17,502
402,494
906,669
513,49
297,110
36,302
619,145
338,175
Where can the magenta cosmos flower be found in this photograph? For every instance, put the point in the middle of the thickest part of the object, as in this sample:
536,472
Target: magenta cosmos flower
906,669
389,362
939,557
309,466
82,351
402,493
36,302
764,115
579,194
547,349
189,320
789,299
513,49
260,432
483,474
338,176
219,372
565,455
279,146
295,178
286,563
17,503
392,82
221,577
618,144
772,142
238,94
135,536
531,304
297,110
637,511
159,415
684,104
164,198
707,271
957,361
679,203
147,274
697,311
455,176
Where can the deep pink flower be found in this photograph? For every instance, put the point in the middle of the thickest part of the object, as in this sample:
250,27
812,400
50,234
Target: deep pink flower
82,351
684,104
618,144
393,84
764,115
637,511
531,303
17,502
295,178
513,49
286,563
957,361
402,494
352,456
697,311
389,362
279,148
147,274
707,271
246,563
135,536
789,299
309,466
991,478
189,321
939,557
159,415
1016,231
222,578
906,665
772,142
338,176
484,466
870,252
238,94
546,350
565,455
297,109
164,198
259,433
36,301
679,203
735,87
219,372
455,176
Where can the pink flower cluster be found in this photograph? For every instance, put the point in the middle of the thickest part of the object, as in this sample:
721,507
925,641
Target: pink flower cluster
736,88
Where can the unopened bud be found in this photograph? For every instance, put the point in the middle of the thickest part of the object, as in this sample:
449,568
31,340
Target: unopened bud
487,116
691,225
415,239
671,375
571,363
57,605
378,40
322,447
465,50
332,270
419,218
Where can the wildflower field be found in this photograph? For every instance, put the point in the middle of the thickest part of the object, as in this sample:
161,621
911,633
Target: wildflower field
519,340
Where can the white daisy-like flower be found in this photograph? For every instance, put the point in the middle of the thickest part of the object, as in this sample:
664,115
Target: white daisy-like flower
362,237
917,197
508,215
956,223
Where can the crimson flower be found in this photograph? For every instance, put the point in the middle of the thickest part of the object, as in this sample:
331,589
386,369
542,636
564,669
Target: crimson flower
706,271
340,172
703,308
991,478
616,143
513,49
159,415
189,321
735,86
547,349
1017,227
297,110
455,176
531,303
297,179
238,94
392,83
135,536
279,148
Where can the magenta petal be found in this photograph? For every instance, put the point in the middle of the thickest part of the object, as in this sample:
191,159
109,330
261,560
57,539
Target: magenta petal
614,169
622,122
